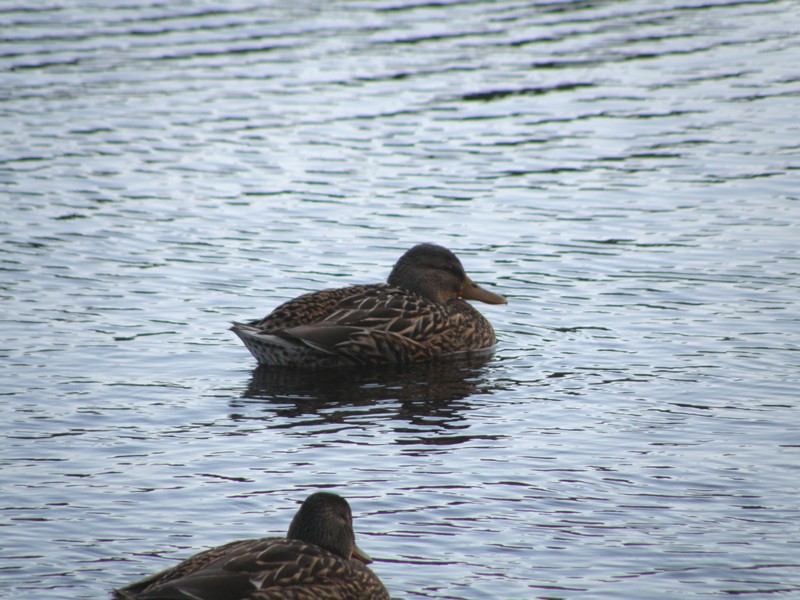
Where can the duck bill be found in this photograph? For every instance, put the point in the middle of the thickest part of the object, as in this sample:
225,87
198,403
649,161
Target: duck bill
359,554
472,291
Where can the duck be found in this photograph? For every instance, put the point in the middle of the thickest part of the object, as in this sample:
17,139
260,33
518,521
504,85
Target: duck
317,559
420,313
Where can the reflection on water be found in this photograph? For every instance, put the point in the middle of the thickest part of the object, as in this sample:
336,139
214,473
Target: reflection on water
430,397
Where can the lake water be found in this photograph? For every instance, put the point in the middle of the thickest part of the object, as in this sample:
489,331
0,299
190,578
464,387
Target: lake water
626,173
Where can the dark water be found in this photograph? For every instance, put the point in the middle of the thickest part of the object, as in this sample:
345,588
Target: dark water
625,172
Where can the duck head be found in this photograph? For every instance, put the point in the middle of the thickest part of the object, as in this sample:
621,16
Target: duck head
436,273
325,520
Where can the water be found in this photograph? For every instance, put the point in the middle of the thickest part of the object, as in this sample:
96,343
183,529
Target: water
626,173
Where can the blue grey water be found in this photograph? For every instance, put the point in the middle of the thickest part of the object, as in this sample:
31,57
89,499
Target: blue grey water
626,173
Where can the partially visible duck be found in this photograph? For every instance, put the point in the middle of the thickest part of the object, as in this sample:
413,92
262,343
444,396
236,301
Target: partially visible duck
318,559
419,314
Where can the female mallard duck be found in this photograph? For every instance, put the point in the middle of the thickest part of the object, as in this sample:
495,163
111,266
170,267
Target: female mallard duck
318,559
418,314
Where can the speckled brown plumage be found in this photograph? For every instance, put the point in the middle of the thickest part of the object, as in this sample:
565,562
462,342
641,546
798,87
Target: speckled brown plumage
317,567
419,314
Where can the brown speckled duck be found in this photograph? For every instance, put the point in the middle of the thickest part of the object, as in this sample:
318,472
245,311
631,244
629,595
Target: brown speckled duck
317,560
419,314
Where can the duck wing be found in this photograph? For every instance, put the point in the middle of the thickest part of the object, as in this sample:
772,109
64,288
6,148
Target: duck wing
380,325
308,308
202,577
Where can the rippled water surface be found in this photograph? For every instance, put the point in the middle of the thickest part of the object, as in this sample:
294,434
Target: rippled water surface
625,172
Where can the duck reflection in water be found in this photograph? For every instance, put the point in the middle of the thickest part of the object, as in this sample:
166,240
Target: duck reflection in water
428,397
